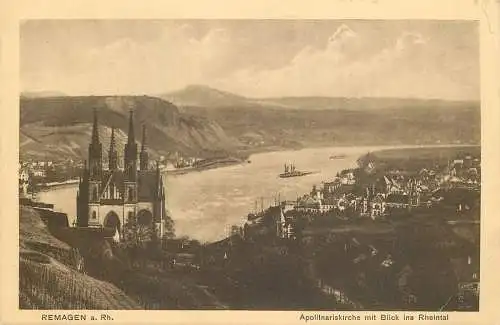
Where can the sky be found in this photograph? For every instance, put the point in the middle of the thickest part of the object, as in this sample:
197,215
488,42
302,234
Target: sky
254,58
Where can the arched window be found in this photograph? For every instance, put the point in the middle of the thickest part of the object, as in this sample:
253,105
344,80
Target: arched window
145,217
94,215
94,194
112,191
130,216
130,194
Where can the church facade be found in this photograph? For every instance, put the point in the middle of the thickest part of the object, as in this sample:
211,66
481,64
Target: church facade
121,198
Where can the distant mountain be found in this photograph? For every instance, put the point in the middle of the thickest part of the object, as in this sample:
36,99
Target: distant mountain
207,97
204,96
363,103
297,122
206,122
61,126
261,129
198,95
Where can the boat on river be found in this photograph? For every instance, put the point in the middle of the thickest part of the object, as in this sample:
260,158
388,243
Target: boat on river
290,171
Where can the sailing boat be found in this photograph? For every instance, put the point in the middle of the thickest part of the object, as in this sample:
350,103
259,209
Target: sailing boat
290,171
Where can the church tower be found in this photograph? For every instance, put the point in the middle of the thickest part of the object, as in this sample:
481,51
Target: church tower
95,152
113,155
130,161
130,164
117,200
82,198
144,158
94,173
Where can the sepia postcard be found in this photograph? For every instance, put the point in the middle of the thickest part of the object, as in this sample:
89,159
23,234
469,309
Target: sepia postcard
209,162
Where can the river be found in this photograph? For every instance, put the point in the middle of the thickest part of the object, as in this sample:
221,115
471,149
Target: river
205,204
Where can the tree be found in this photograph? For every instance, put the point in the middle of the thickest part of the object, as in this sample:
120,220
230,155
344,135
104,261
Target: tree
130,234
144,233
169,230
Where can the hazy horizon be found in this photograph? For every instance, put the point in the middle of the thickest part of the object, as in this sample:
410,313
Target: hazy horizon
413,59
55,93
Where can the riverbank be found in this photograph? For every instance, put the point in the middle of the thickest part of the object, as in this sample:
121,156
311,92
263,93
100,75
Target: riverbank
338,266
55,185
247,153
207,165
413,261
226,193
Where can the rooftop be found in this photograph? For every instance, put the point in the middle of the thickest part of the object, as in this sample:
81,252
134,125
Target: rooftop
397,198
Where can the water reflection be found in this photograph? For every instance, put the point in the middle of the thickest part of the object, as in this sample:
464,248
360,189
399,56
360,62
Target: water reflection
205,204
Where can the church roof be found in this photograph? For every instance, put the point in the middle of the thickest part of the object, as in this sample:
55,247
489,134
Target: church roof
117,178
146,182
378,199
344,189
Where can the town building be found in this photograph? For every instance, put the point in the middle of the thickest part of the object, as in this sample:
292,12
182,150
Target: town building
467,273
287,205
39,172
118,198
330,187
377,206
24,180
397,201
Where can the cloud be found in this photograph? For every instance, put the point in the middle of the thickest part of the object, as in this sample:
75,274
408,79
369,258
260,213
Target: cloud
341,34
394,71
130,66
264,59
408,39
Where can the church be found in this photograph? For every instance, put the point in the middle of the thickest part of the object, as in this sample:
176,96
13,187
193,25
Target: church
116,198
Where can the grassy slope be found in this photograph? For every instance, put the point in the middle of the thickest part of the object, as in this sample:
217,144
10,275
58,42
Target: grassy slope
269,127
218,123
61,126
291,122
33,230
46,275
113,282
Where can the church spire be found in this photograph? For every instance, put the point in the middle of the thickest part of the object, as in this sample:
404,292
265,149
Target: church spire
95,129
131,135
112,142
130,161
113,155
143,145
144,154
95,151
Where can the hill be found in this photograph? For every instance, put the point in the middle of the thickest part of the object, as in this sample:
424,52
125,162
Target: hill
48,278
260,128
363,103
55,126
114,278
297,122
207,97
208,123
198,95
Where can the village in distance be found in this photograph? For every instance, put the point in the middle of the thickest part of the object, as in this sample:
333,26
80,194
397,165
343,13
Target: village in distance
400,231
246,165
